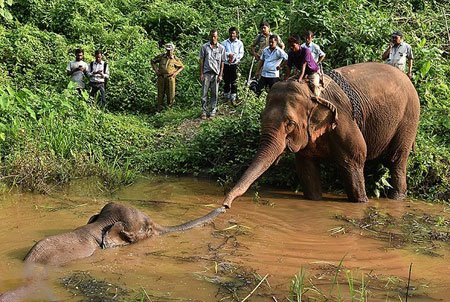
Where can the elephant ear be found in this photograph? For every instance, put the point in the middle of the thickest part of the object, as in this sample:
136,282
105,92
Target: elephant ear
93,218
322,118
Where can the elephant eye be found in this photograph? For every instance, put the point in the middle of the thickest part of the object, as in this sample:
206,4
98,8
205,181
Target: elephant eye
290,125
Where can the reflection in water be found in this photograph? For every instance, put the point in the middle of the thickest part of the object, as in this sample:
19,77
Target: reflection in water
218,260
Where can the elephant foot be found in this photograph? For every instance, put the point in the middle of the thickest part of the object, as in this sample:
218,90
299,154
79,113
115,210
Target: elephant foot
312,196
363,199
396,195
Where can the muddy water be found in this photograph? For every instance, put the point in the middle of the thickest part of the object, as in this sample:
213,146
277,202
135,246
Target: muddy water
252,238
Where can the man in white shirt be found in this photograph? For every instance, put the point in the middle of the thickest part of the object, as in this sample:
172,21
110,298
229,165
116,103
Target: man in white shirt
99,73
398,52
269,65
234,51
76,69
316,52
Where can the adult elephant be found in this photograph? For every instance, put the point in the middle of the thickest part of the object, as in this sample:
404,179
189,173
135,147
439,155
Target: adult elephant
367,111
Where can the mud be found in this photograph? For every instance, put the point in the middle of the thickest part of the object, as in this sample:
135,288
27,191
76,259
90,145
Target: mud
272,236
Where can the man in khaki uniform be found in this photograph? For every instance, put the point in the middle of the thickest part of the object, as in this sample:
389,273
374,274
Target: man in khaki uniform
262,40
166,67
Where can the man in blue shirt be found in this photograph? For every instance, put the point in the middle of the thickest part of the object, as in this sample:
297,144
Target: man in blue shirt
269,65
234,51
316,52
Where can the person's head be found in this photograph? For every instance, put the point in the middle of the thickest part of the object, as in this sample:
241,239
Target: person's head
308,36
397,37
273,41
79,54
213,36
232,33
294,42
264,26
98,55
170,48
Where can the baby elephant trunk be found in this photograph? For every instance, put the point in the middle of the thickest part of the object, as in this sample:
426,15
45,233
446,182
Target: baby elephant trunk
193,223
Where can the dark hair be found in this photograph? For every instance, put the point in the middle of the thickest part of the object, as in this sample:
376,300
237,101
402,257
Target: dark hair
212,31
308,33
294,38
98,52
231,29
275,37
264,23
79,50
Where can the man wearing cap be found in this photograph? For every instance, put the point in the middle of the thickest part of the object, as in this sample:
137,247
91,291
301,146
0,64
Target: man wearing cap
166,67
398,52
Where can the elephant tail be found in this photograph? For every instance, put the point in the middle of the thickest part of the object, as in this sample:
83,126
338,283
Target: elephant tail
191,224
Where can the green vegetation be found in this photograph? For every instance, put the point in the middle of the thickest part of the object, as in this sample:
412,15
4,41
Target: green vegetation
422,232
48,135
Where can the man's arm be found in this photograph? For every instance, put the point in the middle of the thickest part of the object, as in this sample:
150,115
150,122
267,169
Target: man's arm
221,72
71,71
280,42
387,52
288,72
260,65
410,64
321,54
240,52
254,52
201,69
222,63
202,61
154,65
180,67
302,74
106,74
410,61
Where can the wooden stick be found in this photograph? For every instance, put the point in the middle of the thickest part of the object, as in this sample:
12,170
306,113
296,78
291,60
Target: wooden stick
409,279
262,280
446,25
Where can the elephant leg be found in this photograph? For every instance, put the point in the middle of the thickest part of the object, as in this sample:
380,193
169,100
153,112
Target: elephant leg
308,170
397,167
354,182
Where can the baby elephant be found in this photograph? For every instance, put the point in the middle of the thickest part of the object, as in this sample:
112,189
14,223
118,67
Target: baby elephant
115,225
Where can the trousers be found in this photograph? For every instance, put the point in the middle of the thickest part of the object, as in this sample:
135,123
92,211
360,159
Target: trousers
166,89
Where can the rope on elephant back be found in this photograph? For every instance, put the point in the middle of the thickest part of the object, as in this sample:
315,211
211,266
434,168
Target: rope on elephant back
354,98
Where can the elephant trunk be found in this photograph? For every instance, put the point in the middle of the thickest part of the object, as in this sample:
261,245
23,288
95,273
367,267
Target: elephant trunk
269,151
191,224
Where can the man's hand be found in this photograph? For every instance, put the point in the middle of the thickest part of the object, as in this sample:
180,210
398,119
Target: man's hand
230,57
202,77
410,75
219,78
257,57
